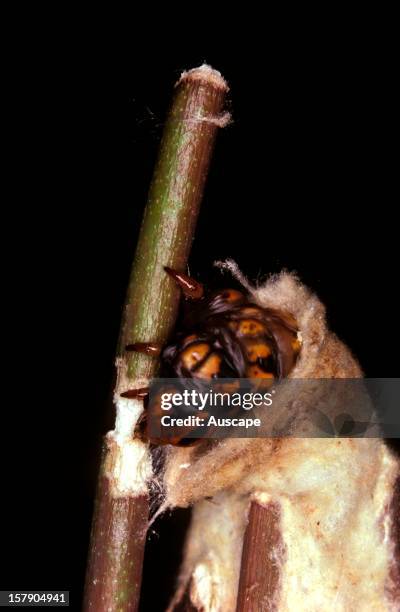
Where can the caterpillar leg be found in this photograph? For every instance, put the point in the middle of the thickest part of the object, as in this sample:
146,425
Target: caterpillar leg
141,393
149,348
191,288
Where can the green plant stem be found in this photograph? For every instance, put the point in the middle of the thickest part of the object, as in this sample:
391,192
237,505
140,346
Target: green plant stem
121,513
170,216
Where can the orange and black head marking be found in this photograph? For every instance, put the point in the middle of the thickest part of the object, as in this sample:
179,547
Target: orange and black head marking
226,335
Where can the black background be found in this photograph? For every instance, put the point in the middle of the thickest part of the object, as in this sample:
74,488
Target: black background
303,179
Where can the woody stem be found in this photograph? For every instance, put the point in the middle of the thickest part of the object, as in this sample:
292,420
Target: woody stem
121,513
